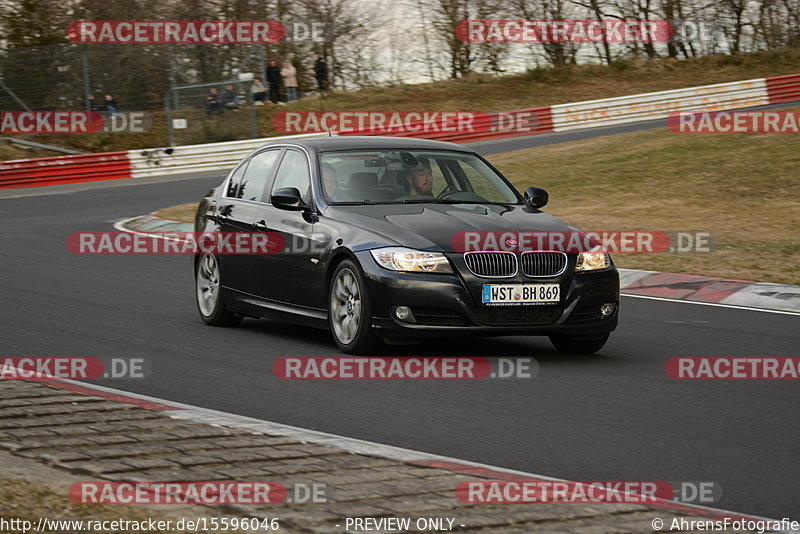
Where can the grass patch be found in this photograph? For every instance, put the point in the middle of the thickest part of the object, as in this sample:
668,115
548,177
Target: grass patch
180,212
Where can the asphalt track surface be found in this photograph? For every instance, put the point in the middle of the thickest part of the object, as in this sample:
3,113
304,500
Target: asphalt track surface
612,416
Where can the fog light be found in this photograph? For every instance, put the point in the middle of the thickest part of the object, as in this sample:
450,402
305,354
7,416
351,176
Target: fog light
607,309
402,312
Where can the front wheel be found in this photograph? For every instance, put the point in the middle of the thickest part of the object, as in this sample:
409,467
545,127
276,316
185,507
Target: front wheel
579,344
349,311
208,289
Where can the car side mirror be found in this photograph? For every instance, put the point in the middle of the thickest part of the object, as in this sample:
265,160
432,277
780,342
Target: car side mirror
287,198
536,197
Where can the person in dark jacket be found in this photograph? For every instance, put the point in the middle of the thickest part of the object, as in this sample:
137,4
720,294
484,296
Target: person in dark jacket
274,79
213,105
110,106
320,73
229,99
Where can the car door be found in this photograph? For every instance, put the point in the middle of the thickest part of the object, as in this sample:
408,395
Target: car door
239,211
284,275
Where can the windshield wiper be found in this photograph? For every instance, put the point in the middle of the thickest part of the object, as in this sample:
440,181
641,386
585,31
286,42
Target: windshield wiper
430,200
442,201
453,201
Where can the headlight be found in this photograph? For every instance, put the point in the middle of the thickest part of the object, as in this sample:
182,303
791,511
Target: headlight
406,259
593,260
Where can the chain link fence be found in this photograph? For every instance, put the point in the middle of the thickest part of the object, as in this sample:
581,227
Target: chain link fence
211,112
172,83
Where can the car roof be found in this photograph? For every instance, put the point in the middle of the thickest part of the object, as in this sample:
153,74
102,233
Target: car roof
332,144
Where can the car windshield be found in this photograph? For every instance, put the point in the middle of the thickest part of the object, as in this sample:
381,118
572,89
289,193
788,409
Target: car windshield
405,177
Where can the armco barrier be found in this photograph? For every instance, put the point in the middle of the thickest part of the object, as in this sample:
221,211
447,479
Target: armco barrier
783,88
559,118
64,170
653,106
193,158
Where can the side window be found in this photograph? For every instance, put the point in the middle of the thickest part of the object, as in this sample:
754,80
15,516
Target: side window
236,180
294,172
256,175
480,184
439,182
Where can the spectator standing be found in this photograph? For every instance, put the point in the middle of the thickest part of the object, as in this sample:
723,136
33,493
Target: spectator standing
259,92
90,104
320,73
289,75
274,80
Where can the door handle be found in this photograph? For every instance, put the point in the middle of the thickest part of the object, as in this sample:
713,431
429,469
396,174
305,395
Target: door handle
261,225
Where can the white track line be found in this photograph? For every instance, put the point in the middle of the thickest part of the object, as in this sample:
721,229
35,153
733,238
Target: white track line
732,306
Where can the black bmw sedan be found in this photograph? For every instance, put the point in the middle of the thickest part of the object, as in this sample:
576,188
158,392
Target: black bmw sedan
395,239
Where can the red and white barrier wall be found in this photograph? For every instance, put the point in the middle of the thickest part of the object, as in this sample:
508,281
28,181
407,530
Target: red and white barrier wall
559,118
64,170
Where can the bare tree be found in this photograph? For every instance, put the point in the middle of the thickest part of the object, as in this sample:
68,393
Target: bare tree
348,31
599,11
557,54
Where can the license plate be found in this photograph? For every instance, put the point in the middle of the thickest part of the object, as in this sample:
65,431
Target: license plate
510,294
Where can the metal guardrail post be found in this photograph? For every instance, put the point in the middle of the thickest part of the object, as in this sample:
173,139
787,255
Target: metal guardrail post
168,110
86,85
14,96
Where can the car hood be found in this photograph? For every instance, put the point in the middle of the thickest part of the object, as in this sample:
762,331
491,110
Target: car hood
437,226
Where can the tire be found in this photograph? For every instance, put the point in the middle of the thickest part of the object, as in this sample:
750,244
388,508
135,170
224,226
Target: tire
579,344
208,293
349,311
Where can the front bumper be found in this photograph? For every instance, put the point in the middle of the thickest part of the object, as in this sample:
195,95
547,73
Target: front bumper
449,304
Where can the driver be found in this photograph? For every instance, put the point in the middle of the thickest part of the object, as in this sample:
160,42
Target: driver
421,182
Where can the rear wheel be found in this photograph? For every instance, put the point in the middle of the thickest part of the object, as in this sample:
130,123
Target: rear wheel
579,344
349,311
208,289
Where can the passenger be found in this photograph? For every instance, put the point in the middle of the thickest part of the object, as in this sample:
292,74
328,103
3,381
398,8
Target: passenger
329,180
